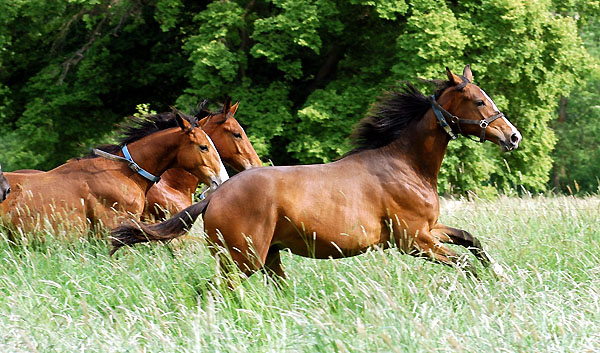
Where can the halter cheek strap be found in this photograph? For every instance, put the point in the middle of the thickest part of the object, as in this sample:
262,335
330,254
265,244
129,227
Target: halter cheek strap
441,115
130,162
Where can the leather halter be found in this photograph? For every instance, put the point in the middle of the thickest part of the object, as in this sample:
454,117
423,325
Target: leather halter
441,115
130,163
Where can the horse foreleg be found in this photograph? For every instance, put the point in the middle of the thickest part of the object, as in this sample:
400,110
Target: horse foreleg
463,238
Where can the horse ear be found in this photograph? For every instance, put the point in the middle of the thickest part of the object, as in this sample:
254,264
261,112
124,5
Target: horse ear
454,79
233,109
467,73
182,122
227,104
206,121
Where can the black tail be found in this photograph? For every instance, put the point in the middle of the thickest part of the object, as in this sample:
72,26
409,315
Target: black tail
132,233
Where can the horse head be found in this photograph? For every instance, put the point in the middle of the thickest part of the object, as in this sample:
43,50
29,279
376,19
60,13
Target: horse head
230,138
198,154
470,111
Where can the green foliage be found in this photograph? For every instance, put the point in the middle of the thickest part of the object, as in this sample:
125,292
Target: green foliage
74,69
576,166
305,71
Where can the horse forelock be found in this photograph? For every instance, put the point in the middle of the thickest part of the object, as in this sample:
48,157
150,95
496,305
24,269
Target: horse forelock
390,116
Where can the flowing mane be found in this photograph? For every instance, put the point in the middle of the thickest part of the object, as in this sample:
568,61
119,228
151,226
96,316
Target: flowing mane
389,117
137,128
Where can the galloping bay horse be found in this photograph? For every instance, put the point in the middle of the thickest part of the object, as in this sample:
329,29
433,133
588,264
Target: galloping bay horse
93,190
175,189
4,186
385,190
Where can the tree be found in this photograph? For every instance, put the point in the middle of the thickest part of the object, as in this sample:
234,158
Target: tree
305,72
576,157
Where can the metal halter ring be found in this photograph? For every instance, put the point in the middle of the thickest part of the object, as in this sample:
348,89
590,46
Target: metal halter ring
483,124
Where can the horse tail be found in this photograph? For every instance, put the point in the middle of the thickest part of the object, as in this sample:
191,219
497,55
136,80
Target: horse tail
133,233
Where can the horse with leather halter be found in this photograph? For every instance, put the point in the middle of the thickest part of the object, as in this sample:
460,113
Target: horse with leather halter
4,186
174,191
382,192
93,191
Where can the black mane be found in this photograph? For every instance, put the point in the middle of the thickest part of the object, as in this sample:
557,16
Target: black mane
390,116
137,128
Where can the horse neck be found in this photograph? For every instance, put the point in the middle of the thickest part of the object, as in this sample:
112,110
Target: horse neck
155,153
422,146
180,179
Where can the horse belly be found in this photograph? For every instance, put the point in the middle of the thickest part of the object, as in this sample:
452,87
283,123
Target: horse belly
324,235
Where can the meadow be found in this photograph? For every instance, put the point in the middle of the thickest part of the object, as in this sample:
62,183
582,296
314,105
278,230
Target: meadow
68,296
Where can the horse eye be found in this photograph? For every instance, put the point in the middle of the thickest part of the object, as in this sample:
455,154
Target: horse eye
237,135
480,103
203,148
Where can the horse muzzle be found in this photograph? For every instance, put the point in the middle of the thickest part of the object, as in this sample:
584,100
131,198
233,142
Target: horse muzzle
511,142
215,182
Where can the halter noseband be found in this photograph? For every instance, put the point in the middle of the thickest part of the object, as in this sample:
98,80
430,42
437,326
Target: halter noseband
441,115
130,162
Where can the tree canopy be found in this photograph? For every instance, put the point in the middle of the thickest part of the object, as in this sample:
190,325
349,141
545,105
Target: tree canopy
304,71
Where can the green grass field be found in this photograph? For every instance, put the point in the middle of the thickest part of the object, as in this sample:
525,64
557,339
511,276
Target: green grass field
67,297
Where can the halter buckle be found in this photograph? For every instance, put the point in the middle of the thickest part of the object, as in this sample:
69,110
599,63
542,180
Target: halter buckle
483,124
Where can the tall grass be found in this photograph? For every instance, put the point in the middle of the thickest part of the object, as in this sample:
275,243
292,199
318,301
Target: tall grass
58,296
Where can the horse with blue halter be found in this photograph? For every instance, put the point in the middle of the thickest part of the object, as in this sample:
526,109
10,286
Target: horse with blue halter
174,191
100,189
382,192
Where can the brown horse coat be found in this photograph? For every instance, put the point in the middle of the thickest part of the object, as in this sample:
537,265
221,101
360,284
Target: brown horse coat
96,191
383,191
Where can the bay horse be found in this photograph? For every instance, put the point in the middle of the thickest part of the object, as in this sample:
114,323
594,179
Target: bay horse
382,192
174,191
93,191
4,186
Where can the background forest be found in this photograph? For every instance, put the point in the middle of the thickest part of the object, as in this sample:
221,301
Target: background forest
305,72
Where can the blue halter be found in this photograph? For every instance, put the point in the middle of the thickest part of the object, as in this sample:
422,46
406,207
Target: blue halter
132,165
136,168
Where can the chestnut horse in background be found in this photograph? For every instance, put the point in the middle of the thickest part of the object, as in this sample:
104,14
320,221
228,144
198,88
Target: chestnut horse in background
174,191
4,186
93,191
384,191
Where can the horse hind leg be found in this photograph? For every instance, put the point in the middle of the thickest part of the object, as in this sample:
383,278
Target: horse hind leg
235,262
463,238
431,248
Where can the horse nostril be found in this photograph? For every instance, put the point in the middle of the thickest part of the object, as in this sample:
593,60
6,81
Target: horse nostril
8,191
514,138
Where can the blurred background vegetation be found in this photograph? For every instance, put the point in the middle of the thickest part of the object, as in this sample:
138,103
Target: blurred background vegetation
305,72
